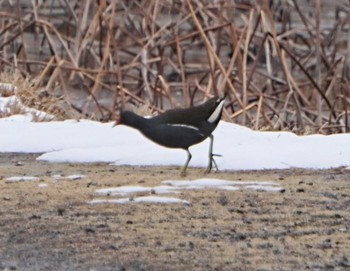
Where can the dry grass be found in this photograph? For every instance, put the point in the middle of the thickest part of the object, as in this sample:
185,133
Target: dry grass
284,64
28,97
53,228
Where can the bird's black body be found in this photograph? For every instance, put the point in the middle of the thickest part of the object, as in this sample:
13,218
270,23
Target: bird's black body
178,128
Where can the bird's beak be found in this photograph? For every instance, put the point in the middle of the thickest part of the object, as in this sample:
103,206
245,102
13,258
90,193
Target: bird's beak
117,119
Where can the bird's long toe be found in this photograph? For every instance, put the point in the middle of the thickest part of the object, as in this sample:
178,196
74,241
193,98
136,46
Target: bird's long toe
211,162
208,170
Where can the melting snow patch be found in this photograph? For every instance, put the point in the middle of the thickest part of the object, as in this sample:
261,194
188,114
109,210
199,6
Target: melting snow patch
241,148
6,103
178,186
75,177
125,190
43,185
21,179
57,176
72,177
146,199
266,188
225,184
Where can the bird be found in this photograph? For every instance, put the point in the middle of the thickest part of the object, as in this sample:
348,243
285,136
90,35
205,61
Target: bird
180,127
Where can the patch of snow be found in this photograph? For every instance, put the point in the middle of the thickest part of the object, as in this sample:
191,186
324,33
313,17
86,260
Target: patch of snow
155,199
265,188
75,177
217,183
108,201
57,177
229,188
180,186
19,118
21,179
125,190
12,101
43,185
146,199
241,148
72,177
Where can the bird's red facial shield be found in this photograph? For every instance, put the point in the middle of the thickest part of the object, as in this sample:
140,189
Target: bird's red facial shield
118,119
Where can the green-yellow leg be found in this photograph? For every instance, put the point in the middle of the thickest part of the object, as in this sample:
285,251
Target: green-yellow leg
189,156
211,156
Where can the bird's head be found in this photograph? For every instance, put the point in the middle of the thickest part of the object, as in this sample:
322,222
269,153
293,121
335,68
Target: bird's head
118,119
127,118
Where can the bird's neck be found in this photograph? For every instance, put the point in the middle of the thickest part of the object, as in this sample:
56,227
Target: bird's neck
135,121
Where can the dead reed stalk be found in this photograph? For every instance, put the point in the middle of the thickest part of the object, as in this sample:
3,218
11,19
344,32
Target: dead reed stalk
283,64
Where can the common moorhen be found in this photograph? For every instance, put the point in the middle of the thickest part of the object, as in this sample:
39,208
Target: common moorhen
179,128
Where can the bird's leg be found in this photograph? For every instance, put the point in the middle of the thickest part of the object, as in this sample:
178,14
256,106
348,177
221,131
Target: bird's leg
211,156
215,164
210,164
189,156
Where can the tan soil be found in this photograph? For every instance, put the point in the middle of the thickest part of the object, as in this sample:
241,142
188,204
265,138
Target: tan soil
53,228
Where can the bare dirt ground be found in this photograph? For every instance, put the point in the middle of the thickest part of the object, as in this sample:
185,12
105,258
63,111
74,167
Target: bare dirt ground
53,228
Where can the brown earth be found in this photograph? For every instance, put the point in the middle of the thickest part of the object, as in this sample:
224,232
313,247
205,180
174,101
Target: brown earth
53,228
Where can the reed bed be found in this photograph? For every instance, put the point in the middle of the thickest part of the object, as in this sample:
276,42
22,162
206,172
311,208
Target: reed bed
283,64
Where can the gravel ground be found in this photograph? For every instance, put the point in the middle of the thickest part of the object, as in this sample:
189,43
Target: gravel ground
54,228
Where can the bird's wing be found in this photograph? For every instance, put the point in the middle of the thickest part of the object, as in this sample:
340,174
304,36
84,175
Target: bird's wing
189,116
175,135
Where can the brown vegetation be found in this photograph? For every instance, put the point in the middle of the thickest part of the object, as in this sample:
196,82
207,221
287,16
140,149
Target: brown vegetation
53,227
284,64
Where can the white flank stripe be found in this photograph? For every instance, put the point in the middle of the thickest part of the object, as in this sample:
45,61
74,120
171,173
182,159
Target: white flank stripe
214,116
185,126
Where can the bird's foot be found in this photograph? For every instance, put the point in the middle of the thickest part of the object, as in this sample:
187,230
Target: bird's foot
208,169
211,161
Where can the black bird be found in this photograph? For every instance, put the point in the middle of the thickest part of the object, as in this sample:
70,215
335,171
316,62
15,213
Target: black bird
179,128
